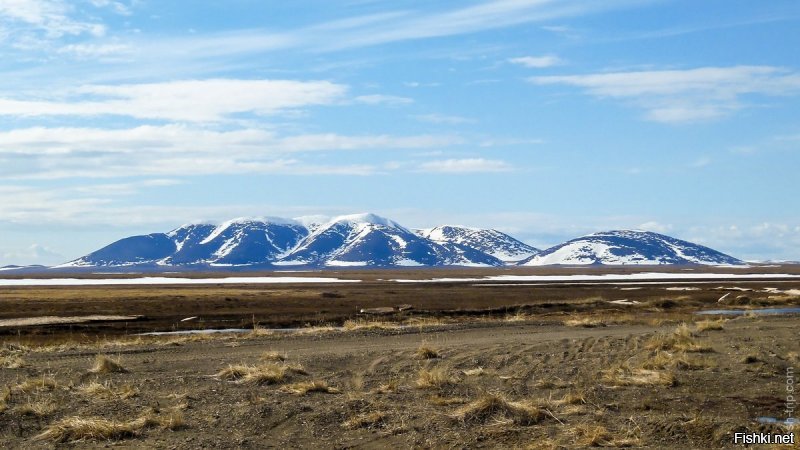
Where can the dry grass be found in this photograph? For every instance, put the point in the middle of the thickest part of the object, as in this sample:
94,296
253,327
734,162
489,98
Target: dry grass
104,364
43,383
710,325
265,373
12,361
589,435
273,356
478,371
625,375
682,339
360,324
107,390
435,378
497,407
585,322
388,387
36,408
304,387
5,396
374,419
75,429
662,360
426,351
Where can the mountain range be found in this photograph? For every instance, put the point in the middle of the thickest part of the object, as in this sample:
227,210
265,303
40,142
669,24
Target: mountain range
368,240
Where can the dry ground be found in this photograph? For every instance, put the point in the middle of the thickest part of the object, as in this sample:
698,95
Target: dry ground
503,384
554,366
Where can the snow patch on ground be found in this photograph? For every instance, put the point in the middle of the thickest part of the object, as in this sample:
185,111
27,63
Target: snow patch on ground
165,280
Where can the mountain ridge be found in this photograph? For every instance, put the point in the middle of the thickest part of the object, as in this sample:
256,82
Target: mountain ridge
371,241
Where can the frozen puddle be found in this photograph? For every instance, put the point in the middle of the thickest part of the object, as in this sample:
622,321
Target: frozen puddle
165,280
741,312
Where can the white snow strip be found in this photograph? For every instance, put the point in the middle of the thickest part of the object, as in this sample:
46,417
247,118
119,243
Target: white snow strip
165,280
612,277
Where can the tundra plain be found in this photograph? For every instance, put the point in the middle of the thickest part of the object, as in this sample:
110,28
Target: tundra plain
455,364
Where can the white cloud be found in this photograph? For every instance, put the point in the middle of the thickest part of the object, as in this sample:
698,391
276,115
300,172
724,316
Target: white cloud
537,62
49,16
118,7
188,100
378,99
468,165
184,150
443,119
675,96
654,226
95,51
701,162
33,254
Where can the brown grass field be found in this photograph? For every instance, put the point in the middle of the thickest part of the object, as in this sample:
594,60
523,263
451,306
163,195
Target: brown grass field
497,366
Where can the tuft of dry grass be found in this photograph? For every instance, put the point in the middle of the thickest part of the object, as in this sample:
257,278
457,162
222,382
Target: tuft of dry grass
304,387
589,435
435,378
585,322
5,396
360,324
495,406
12,361
273,356
474,372
426,351
43,383
36,408
375,419
710,325
627,376
107,390
662,360
265,373
104,364
76,429
682,339
389,386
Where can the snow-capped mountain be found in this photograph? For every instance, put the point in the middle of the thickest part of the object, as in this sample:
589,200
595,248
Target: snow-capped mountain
374,241
347,241
629,247
367,240
233,243
492,242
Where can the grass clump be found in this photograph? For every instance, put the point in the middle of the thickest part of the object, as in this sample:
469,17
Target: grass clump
710,325
627,376
76,429
425,351
435,378
585,322
104,364
374,419
304,387
273,356
682,339
266,373
355,325
588,435
43,383
495,406
106,390
36,408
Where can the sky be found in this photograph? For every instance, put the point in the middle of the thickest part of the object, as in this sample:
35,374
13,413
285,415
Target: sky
545,119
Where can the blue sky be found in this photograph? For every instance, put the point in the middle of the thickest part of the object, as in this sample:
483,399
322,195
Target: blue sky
544,119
